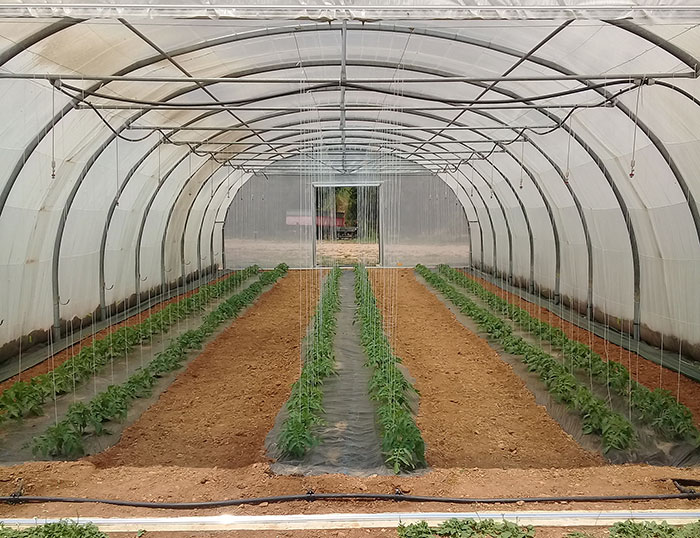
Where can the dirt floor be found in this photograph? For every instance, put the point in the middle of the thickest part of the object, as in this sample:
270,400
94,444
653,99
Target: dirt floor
644,371
474,410
219,410
204,439
347,253
62,356
175,483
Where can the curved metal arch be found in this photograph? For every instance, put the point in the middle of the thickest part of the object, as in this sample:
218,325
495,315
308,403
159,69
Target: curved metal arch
201,226
530,235
210,177
545,200
505,220
469,223
139,236
491,225
476,130
487,208
316,29
685,190
656,142
238,141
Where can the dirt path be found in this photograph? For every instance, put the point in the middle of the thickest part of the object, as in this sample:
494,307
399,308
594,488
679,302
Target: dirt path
646,372
474,410
218,411
164,484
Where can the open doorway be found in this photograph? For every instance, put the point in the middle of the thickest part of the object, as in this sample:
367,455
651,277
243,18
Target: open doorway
347,225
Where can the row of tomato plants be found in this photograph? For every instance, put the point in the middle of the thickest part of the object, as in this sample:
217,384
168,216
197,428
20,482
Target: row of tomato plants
657,408
66,437
27,397
403,446
305,404
615,431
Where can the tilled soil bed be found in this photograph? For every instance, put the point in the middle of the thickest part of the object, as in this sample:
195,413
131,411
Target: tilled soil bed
474,410
204,439
218,411
644,371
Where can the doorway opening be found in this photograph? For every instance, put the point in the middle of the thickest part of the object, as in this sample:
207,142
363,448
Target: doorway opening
347,225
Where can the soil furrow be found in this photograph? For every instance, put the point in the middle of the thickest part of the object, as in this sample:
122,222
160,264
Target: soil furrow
474,410
644,371
218,411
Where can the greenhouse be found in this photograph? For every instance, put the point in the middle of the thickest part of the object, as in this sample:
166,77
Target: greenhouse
344,268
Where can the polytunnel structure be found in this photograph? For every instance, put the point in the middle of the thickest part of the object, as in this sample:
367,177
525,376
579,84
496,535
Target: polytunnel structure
535,163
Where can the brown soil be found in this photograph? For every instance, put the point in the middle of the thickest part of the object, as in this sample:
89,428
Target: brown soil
59,358
159,483
474,410
215,447
646,372
219,410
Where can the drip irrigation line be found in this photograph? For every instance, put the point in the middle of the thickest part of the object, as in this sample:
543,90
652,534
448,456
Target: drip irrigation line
312,496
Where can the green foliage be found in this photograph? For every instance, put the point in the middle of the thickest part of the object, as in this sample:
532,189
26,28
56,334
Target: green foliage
616,432
304,406
64,529
466,528
27,398
658,408
402,444
630,529
66,437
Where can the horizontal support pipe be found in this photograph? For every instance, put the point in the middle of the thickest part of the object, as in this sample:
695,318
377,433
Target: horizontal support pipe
306,127
334,107
352,152
452,128
608,77
315,142
257,11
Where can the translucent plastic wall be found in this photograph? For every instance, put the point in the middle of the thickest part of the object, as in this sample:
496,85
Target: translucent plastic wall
555,206
270,221
421,220
430,221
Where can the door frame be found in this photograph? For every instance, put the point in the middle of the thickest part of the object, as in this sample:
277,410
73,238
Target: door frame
346,183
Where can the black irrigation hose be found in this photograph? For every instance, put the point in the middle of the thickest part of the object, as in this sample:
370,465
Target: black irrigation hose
347,496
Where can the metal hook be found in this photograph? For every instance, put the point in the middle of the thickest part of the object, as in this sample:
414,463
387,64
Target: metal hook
110,288
188,263
143,279
61,303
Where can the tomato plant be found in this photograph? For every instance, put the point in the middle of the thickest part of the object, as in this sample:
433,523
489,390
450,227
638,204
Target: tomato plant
403,446
616,431
66,437
26,398
305,404
657,408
